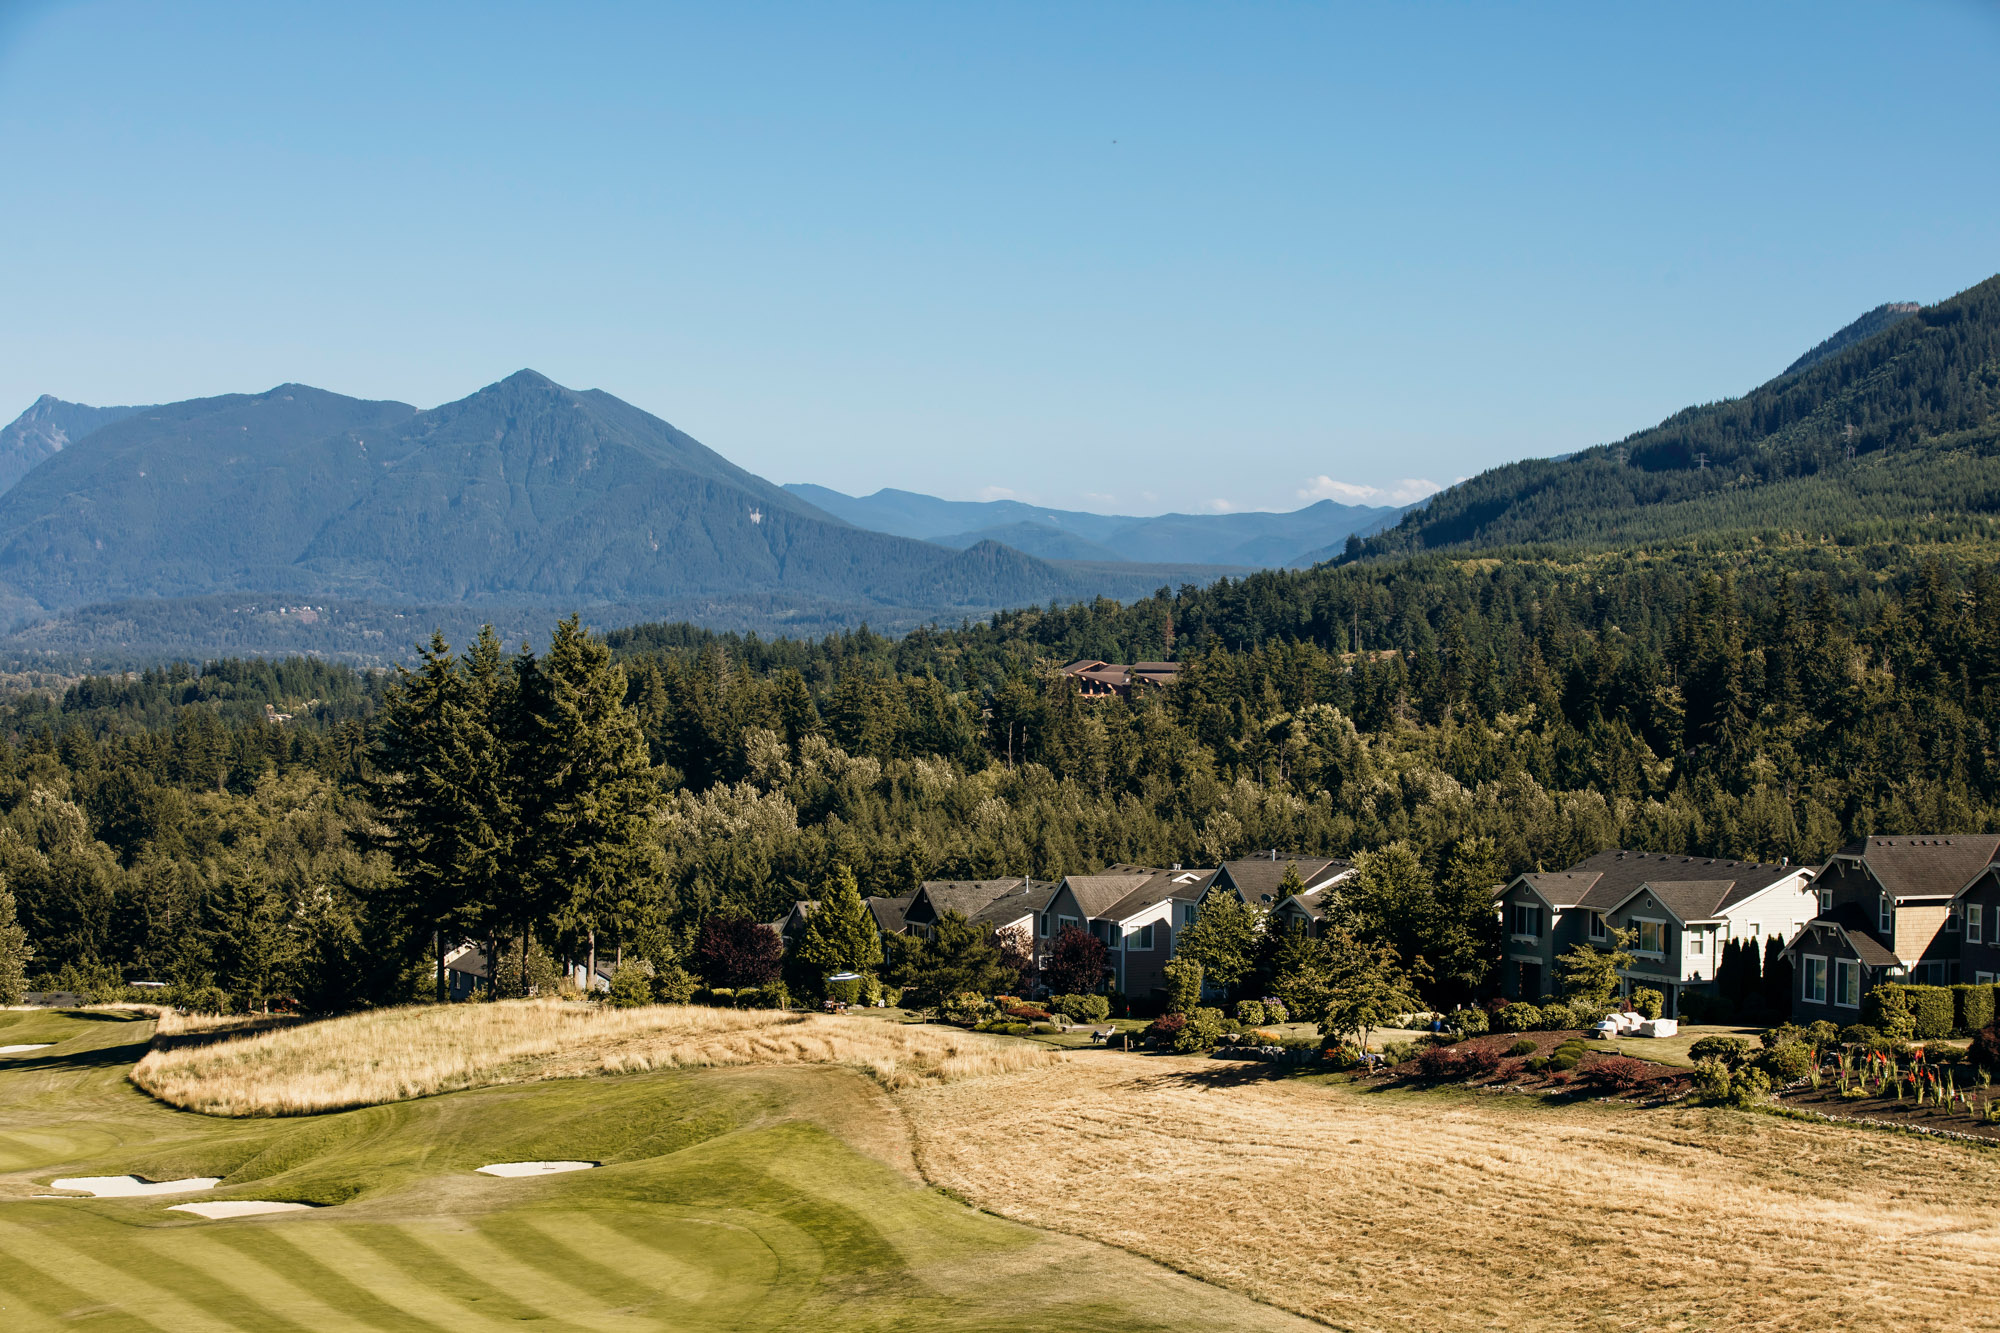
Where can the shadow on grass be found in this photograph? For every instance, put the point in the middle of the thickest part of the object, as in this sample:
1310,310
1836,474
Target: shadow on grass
97,1057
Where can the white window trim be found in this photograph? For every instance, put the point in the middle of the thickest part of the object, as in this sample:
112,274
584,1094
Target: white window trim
1637,922
1975,921
1885,917
1839,966
1825,901
1982,978
1805,978
1597,928
1514,910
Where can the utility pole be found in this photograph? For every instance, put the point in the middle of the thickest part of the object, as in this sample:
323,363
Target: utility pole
1701,462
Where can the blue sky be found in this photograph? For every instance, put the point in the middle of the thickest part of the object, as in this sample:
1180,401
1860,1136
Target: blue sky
1130,257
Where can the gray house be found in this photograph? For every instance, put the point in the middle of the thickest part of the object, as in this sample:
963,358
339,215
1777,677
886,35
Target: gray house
1683,909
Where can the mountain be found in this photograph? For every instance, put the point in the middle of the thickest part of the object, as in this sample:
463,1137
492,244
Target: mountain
44,429
1861,330
1242,540
1900,428
523,495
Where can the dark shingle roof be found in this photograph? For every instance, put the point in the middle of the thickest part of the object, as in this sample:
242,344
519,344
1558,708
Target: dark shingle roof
967,897
888,913
1927,865
1599,883
1159,887
1691,899
1853,921
1097,894
1028,896
1256,876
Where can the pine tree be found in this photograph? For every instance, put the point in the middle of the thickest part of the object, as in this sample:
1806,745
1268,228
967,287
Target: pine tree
840,935
1223,939
14,951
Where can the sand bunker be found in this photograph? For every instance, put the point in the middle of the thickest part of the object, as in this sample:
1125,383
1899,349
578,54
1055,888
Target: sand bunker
128,1187
29,1046
238,1208
535,1168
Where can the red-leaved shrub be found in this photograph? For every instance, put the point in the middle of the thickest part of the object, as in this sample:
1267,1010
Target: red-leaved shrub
1617,1073
1479,1061
1162,1030
1441,1062
1028,1013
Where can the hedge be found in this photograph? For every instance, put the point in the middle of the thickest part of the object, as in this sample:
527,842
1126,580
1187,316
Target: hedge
1972,1007
1931,1008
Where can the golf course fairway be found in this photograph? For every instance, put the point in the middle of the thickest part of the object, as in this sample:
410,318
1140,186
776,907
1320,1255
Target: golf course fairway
728,1199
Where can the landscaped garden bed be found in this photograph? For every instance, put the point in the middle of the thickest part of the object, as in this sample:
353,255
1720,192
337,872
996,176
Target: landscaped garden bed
1913,1093
1554,1062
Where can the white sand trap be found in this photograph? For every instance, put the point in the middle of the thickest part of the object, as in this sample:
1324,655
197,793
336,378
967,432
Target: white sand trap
129,1187
237,1208
30,1046
535,1168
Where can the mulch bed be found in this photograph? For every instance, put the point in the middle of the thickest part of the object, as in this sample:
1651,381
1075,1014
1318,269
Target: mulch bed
1905,1114
1654,1082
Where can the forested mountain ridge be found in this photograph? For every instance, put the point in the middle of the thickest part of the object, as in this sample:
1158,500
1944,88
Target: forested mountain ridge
1903,425
1861,330
44,429
524,494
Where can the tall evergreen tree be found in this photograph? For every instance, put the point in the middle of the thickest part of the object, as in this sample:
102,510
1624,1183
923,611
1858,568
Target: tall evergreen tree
14,952
840,935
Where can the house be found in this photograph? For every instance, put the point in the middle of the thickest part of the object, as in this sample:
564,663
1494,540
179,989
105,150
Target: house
1977,909
1890,909
1097,679
1683,909
998,903
793,923
1260,880
1137,913
467,972
888,914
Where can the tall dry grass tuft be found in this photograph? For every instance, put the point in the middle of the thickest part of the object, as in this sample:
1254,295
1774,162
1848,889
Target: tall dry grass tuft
395,1054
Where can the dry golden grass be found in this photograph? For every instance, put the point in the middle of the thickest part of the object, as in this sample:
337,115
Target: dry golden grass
173,1023
1449,1211
395,1054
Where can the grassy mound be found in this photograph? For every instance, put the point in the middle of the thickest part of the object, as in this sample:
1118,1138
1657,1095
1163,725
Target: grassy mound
396,1054
729,1199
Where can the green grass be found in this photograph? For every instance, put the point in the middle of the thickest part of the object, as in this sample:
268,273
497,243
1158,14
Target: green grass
1674,1050
730,1200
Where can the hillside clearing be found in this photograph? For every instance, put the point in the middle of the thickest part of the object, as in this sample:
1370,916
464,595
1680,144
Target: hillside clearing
1454,1211
395,1054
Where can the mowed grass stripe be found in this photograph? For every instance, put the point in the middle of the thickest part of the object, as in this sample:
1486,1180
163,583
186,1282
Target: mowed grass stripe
198,1279
425,1294
546,1249
288,1250
53,1299
427,1265
682,1287
124,1274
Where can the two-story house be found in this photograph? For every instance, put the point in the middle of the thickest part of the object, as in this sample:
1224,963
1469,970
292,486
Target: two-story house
1259,880
1681,910
1977,908
1889,909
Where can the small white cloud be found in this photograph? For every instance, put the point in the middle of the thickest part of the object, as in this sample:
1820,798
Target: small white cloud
1407,491
1149,496
997,493
1095,498
1220,506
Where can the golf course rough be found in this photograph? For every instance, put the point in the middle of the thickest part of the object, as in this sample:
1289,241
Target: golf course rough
728,1200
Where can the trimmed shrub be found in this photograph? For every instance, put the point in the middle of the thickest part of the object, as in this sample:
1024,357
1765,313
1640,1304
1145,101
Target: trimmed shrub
1823,1034
1647,1002
1082,1008
1972,1007
1711,1081
1556,1016
1518,1017
1045,1029
1521,1048
849,991
1749,1085
1275,1011
1201,1030
1785,1034
1935,1013
1564,1062
1184,977
1732,1051
1250,1013
1396,1052
630,988
1891,1009
1536,1065
1471,1022
1787,1063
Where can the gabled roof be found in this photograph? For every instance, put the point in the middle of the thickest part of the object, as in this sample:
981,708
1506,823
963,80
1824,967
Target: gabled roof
1255,877
1925,865
1602,882
1097,894
1159,887
1690,900
967,897
1852,923
1028,896
888,913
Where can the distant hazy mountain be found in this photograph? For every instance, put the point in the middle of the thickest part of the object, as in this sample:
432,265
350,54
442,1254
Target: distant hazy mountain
1246,540
525,494
45,429
1875,321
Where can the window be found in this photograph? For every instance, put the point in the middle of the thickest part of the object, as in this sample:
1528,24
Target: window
1064,923
1695,944
1756,931
1825,901
1597,925
1652,936
1527,920
1142,938
1187,914
1847,983
1982,978
1951,922
1812,980
1042,924
1974,922
1885,918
